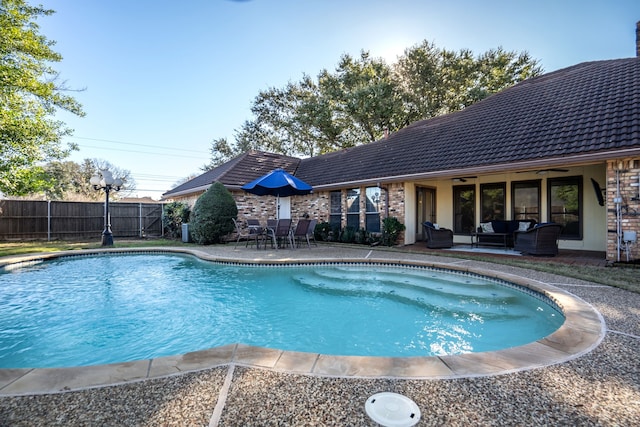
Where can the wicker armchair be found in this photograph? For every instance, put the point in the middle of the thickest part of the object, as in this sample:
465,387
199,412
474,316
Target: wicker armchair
437,238
540,240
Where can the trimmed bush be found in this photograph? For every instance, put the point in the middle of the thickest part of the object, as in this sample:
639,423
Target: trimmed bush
211,217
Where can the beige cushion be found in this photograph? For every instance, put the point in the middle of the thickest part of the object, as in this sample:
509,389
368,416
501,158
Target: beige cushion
487,227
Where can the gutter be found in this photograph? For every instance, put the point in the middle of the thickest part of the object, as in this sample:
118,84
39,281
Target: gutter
196,189
169,195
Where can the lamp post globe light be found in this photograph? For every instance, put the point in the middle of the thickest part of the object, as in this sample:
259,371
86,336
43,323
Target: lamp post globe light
104,180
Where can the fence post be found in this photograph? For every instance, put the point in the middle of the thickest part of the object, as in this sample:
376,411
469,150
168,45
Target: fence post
48,220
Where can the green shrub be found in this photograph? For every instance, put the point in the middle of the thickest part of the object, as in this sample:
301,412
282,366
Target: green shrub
391,229
348,235
211,218
361,236
175,214
374,239
322,230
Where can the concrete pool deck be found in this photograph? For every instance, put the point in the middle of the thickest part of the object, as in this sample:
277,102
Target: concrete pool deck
591,360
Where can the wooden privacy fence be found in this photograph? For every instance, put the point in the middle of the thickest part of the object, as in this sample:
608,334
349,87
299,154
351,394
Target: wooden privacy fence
55,220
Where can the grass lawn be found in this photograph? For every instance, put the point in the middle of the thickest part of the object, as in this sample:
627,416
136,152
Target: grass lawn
621,276
20,248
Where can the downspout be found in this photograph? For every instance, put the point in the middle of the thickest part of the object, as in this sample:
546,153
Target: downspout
386,199
618,201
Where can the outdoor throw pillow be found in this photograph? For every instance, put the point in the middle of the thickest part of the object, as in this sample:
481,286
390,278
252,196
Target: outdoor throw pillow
487,227
523,226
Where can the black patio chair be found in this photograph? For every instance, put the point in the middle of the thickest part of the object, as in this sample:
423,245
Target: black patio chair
540,240
281,233
301,231
437,238
311,232
246,234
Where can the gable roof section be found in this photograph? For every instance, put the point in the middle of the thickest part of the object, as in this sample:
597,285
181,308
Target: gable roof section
237,172
584,110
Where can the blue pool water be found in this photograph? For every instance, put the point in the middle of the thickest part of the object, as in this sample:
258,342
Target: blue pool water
114,308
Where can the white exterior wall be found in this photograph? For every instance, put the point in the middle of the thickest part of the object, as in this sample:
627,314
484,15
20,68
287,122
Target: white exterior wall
594,216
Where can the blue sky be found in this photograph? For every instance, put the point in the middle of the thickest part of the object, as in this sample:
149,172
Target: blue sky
163,79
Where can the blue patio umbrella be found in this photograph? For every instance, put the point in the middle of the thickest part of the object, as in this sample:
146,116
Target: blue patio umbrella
277,183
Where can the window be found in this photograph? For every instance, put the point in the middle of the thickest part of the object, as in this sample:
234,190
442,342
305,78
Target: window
464,208
565,205
492,199
335,206
353,208
373,209
426,209
525,196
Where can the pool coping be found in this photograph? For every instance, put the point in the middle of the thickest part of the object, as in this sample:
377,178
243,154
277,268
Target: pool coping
583,330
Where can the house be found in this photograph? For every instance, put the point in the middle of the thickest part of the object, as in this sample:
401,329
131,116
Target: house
562,147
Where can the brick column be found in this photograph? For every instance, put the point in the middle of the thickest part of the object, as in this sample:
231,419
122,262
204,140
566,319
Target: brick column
627,173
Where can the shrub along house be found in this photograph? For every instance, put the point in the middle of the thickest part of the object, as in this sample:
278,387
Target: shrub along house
551,148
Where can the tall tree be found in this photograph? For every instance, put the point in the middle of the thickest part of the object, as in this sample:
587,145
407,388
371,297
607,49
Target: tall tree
69,180
221,152
500,69
295,120
30,94
364,97
438,81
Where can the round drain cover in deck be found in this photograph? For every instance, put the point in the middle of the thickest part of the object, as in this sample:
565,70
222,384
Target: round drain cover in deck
392,410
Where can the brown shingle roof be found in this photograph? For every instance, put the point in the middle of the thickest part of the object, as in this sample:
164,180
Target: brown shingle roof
238,171
587,108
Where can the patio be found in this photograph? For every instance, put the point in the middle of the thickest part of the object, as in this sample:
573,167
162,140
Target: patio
565,256
601,387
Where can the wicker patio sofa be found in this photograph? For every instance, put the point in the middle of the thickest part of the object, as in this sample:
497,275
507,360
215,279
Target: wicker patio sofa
437,238
501,232
540,240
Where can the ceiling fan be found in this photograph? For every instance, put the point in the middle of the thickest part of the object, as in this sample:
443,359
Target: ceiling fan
463,178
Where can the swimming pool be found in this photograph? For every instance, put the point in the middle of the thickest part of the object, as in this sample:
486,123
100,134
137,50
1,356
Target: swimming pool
93,311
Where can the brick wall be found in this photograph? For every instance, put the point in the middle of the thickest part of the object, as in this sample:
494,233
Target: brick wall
396,200
315,205
627,172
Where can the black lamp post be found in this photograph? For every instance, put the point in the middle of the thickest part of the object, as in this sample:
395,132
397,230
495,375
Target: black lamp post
104,181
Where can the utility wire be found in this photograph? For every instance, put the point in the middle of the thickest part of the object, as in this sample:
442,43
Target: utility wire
136,144
142,152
